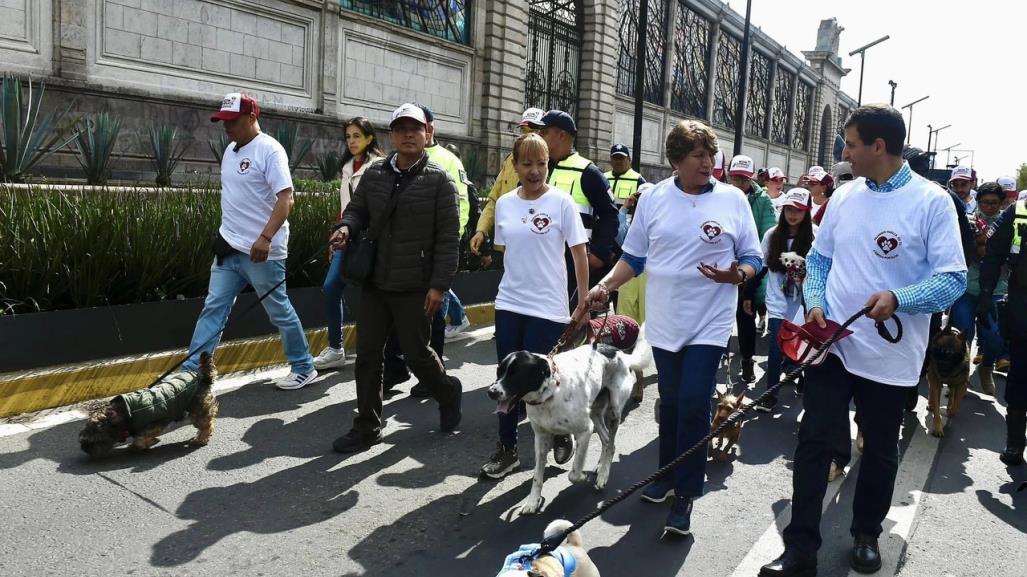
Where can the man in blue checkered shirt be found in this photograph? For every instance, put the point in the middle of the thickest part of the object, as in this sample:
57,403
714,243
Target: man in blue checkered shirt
891,242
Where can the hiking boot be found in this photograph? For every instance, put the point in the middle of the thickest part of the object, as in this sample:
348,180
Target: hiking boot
503,462
330,358
986,377
659,490
765,404
679,520
563,449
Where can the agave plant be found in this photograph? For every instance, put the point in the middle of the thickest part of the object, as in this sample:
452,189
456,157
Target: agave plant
94,146
218,146
168,149
25,136
288,136
329,163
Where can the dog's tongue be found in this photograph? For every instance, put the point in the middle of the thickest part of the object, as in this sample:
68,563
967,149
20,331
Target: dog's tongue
503,407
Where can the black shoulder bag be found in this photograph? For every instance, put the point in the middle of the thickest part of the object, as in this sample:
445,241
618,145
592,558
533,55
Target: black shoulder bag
358,260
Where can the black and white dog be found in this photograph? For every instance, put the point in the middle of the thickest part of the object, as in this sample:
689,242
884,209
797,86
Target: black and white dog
581,390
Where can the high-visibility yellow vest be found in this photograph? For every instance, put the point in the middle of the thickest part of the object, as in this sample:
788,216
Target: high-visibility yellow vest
1019,227
451,164
624,185
567,177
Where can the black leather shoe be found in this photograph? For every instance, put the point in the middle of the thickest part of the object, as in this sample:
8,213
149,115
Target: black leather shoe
790,564
1012,456
563,449
420,390
449,408
356,442
866,558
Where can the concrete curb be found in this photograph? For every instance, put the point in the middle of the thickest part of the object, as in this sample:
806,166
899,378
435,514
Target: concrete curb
28,391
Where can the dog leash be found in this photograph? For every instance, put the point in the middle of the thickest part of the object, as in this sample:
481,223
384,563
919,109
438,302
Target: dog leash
552,542
244,312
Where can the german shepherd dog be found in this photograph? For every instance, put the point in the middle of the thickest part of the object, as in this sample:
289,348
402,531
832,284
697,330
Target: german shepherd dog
948,359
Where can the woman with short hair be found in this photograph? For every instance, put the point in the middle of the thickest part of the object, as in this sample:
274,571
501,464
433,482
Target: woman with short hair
696,239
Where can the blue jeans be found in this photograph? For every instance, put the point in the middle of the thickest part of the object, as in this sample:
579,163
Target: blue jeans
962,315
452,306
686,380
226,282
775,358
333,289
517,332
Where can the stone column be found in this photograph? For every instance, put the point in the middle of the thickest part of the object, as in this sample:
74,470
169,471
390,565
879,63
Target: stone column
598,77
502,98
70,37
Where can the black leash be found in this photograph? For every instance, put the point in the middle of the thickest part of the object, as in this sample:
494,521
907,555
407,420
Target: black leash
551,543
217,335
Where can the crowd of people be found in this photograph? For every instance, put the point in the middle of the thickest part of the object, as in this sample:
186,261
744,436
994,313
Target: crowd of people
721,247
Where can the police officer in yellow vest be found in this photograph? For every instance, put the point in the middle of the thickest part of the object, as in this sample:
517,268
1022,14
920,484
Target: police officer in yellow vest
579,177
623,180
1007,243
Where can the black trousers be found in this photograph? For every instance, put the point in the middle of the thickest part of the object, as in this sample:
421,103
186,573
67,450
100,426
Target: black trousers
746,329
829,389
396,367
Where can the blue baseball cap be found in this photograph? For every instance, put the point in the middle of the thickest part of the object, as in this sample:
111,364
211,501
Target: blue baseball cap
620,149
560,119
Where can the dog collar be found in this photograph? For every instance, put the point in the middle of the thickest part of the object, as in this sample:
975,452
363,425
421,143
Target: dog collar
556,379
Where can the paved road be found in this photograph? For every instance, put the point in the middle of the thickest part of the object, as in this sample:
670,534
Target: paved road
268,497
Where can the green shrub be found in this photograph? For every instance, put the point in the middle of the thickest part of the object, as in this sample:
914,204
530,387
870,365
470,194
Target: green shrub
287,134
26,138
92,248
167,147
329,164
94,146
218,145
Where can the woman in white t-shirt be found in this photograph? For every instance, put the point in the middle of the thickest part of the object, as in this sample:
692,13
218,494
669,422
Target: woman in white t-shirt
534,223
793,234
696,239
361,151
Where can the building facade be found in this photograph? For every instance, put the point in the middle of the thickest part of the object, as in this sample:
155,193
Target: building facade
476,63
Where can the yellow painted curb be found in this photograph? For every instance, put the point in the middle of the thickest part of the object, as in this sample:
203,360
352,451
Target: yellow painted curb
55,387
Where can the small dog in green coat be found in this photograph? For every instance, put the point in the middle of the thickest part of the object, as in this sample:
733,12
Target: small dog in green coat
145,413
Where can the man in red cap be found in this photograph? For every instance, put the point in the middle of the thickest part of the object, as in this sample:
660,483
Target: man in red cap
252,242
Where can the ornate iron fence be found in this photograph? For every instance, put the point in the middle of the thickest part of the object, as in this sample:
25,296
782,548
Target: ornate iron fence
781,115
800,132
654,59
554,54
758,97
690,76
448,19
725,91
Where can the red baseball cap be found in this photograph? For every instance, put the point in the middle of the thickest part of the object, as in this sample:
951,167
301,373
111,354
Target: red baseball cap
235,105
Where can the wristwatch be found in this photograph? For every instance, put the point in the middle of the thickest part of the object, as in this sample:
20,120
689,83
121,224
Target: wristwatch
745,276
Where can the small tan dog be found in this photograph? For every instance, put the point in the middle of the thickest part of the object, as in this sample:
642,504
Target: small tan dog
569,559
948,364
729,437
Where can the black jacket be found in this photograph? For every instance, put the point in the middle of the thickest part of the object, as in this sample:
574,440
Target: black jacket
419,247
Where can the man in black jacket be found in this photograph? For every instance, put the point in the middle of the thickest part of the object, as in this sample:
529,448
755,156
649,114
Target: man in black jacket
415,262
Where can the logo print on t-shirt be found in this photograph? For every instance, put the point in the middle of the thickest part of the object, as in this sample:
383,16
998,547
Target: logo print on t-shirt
711,230
244,165
886,243
540,223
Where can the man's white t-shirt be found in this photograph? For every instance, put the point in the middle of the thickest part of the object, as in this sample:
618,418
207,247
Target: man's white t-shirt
535,234
251,179
885,241
675,232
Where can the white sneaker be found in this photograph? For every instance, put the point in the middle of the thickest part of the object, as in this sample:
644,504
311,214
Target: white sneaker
294,381
330,358
454,330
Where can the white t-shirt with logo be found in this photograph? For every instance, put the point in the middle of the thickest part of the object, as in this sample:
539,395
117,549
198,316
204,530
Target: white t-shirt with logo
885,241
675,232
250,182
535,234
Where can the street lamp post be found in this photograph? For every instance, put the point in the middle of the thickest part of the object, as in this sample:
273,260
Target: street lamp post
744,84
930,134
893,84
862,57
909,128
935,133
948,153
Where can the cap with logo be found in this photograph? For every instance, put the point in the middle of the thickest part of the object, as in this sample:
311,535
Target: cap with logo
560,119
775,173
234,105
409,110
797,198
1007,183
532,117
742,165
620,150
961,173
718,164
816,173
